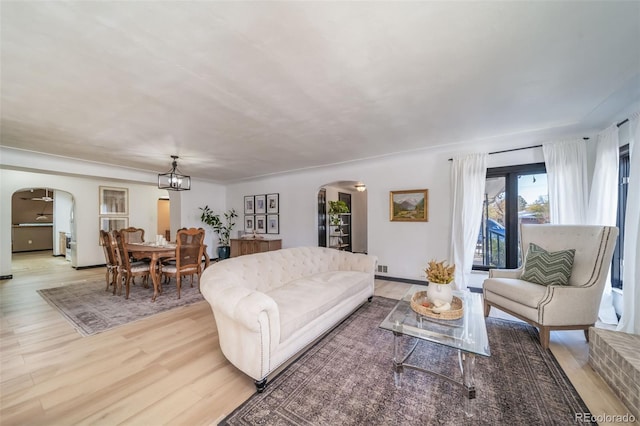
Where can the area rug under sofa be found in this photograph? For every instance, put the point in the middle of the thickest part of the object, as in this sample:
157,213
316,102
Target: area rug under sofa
347,379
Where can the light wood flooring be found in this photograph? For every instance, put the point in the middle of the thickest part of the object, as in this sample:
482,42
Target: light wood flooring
167,369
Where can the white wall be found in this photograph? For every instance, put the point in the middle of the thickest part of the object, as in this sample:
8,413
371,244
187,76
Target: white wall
405,247
143,196
85,192
185,210
62,203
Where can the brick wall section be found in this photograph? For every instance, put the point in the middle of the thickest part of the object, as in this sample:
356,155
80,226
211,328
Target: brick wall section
616,358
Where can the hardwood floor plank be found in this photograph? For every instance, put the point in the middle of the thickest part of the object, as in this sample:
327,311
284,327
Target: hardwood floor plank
17,384
167,369
174,405
28,413
77,407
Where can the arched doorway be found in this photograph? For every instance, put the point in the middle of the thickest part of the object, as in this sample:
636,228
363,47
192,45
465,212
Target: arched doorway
42,220
351,235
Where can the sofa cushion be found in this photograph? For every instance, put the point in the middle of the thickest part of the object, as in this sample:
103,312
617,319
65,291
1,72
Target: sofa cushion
522,292
548,267
303,300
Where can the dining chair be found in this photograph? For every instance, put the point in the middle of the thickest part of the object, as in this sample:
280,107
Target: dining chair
189,254
128,269
109,248
133,235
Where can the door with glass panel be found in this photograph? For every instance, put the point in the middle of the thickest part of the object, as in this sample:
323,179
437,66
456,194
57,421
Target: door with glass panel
513,195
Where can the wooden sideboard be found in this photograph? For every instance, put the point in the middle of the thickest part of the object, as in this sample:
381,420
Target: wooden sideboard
241,246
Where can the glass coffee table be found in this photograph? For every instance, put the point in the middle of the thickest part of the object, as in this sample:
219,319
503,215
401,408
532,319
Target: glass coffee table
467,334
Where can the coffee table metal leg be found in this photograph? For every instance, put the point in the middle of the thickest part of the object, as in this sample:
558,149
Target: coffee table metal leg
397,362
467,366
399,358
467,362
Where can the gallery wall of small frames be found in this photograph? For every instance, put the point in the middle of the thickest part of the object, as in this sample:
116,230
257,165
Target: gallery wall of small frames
262,214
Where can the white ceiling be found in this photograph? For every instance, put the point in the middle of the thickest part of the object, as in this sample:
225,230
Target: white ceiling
244,89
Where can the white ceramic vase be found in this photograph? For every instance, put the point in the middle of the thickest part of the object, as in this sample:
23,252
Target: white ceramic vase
442,292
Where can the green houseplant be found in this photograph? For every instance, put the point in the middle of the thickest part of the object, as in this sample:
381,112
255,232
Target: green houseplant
221,227
336,208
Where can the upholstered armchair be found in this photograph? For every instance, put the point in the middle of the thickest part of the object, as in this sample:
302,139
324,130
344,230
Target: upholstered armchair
548,291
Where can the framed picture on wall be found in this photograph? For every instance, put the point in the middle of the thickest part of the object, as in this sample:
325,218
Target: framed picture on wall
273,224
261,204
409,205
249,223
261,224
273,203
248,204
113,223
114,201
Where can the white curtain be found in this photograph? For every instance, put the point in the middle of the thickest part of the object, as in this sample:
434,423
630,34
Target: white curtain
603,203
630,321
566,163
468,176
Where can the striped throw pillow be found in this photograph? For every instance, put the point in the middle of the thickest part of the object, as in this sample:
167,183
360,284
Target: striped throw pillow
548,267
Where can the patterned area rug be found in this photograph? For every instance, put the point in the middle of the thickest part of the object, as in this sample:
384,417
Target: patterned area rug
347,379
91,309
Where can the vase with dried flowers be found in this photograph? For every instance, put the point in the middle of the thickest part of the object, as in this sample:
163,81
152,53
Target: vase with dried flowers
440,275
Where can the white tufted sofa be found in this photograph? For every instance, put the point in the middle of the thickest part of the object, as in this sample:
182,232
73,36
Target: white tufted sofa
269,306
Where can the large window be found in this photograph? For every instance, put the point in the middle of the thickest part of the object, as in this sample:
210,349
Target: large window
623,184
513,195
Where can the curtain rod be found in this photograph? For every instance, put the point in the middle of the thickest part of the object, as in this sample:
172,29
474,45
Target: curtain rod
622,122
540,146
510,150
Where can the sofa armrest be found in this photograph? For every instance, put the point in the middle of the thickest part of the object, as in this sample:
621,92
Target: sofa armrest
245,306
248,323
505,273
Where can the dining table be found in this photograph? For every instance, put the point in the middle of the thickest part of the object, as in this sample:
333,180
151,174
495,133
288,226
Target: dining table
155,252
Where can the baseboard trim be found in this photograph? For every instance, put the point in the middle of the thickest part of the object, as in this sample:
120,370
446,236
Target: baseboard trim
401,280
418,282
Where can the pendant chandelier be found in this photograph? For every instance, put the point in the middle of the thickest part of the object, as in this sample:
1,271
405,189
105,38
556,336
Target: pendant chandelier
174,180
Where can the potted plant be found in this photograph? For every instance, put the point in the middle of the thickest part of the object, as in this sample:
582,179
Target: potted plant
336,208
440,275
221,228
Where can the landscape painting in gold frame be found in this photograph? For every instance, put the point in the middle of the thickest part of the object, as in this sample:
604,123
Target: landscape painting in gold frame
409,205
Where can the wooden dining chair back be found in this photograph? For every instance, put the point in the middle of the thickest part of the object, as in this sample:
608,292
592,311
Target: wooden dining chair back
133,235
110,257
188,260
128,269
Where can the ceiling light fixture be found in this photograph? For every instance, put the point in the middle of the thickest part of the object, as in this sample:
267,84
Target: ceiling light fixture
361,187
45,198
174,180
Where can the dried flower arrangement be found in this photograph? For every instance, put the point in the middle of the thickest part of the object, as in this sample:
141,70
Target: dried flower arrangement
440,272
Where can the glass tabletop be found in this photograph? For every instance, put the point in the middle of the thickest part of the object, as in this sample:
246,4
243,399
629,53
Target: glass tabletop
468,333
